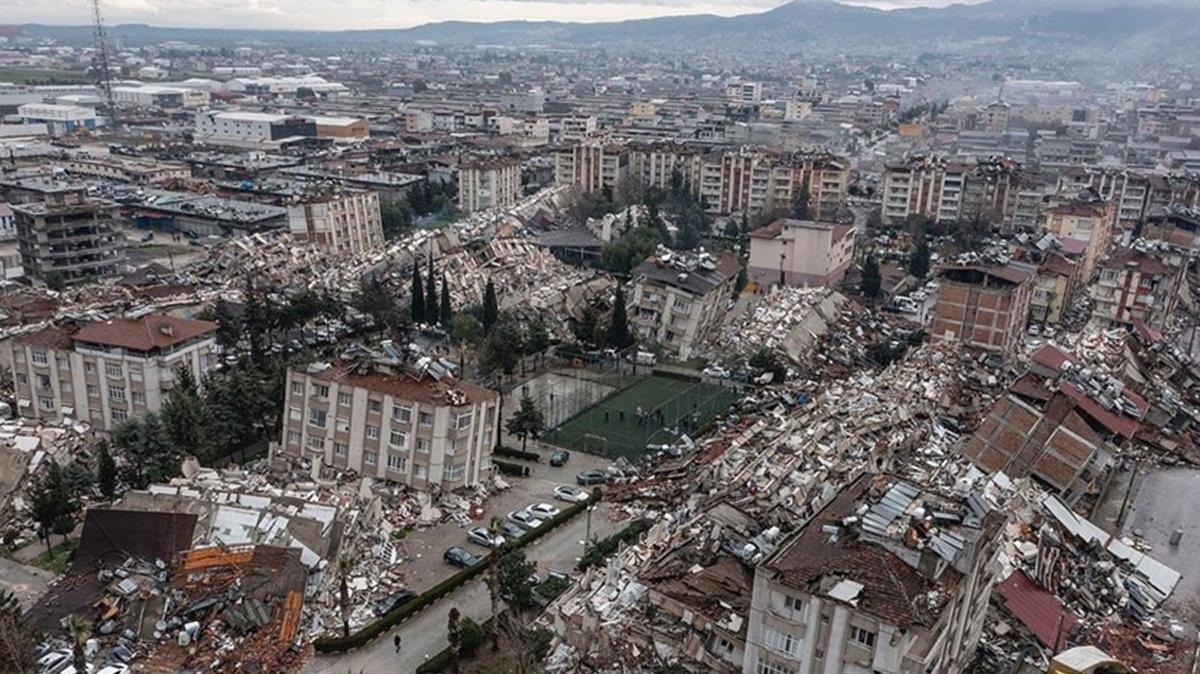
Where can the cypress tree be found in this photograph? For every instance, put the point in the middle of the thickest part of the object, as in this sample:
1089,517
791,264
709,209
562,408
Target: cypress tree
431,296
618,336
418,296
491,307
447,314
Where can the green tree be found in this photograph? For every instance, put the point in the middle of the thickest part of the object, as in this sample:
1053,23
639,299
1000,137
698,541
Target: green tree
502,348
527,422
587,329
446,313
918,261
229,325
79,630
622,255
56,281
431,296
491,307
465,330
514,581
148,453
618,335
19,638
258,319
52,505
454,638
396,218
373,299
767,360
537,337
106,473
185,416
417,305
872,281
800,209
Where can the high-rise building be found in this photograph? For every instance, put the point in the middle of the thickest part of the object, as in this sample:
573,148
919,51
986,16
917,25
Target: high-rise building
340,221
69,236
984,306
491,183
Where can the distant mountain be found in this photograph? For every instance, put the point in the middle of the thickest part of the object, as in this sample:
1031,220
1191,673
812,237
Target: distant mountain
1096,26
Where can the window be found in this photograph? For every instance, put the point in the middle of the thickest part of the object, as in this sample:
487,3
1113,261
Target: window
399,439
425,419
46,402
421,473
293,437
374,405
340,449
859,635
344,399
316,442
39,358
90,368
116,393
792,605
781,642
402,413
321,390
43,381
119,416
422,445
373,432
370,458
768,667
139,398
463,421
135,375
112,369
454,473
397,462
297,388
316,418
22,379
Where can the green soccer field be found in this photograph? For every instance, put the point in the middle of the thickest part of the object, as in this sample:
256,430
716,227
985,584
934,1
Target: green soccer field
612,427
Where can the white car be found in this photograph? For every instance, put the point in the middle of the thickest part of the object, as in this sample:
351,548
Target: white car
524,519
114,669
55,661
542,511
481,536
716,372
570,494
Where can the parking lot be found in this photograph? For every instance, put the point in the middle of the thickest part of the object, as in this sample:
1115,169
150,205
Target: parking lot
424,549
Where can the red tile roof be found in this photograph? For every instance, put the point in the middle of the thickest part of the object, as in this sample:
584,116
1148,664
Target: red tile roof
1118,424
1037,610
143,334
405,387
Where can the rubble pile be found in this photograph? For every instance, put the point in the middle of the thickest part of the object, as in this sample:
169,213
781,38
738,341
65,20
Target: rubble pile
25,446
788,320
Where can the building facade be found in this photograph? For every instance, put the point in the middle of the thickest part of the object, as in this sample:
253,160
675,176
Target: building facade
109,371
800,252
488,184
344,221
676,303
69,236
390,424
1134,285
591,166
984,306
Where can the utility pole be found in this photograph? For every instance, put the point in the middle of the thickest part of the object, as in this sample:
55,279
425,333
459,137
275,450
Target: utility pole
102,66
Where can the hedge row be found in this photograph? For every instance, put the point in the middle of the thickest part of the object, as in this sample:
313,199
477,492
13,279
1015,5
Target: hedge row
602,549
513,469
433,594
442,661
518,454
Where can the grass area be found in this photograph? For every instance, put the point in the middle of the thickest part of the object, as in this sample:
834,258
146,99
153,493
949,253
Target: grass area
59,558
613,428
43,76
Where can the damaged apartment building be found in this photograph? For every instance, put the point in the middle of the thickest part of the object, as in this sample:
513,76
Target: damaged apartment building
107,371
679,298
385,416
65,235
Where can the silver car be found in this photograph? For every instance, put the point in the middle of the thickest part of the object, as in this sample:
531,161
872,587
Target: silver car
481,536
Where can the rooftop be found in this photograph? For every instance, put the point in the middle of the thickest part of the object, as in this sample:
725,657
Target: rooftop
422,389
143,334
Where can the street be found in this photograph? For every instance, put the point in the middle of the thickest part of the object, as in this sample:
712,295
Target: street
425,635
27,583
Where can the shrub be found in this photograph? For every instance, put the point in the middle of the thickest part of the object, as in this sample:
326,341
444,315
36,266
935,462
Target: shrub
604,548
513,453
473,635
513,469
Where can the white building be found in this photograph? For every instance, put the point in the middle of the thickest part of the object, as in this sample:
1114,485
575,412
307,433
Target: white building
163,97
342,222
60,119
488,184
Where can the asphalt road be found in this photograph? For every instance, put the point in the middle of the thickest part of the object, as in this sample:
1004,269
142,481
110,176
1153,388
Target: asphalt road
26,582
425,635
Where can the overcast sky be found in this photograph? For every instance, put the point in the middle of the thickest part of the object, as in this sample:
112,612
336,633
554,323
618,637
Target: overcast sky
342,14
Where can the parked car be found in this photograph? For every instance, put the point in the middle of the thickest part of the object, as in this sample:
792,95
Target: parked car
716,372
542,511
642,358
511,531
591,477
456,556
114,669
524,519
481,536
566,492
55,661
560,458
393,601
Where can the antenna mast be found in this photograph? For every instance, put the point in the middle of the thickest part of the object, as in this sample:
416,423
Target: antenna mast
103,70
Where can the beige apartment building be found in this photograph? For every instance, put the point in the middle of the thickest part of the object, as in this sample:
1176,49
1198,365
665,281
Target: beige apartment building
493,183
800,253
1136,285
885,579
108,371
676,302
390,422
591,165
1086,220
342,221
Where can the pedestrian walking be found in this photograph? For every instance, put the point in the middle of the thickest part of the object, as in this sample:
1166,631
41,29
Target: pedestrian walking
396,640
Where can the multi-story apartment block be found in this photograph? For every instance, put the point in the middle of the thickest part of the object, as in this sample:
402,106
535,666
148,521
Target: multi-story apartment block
340,221
992,188
887,578
575,128
391,422
8,222
591,166
983,305
800,252
492,183
108,371
1136,284
1136,193
68,236
1084,218
677,301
